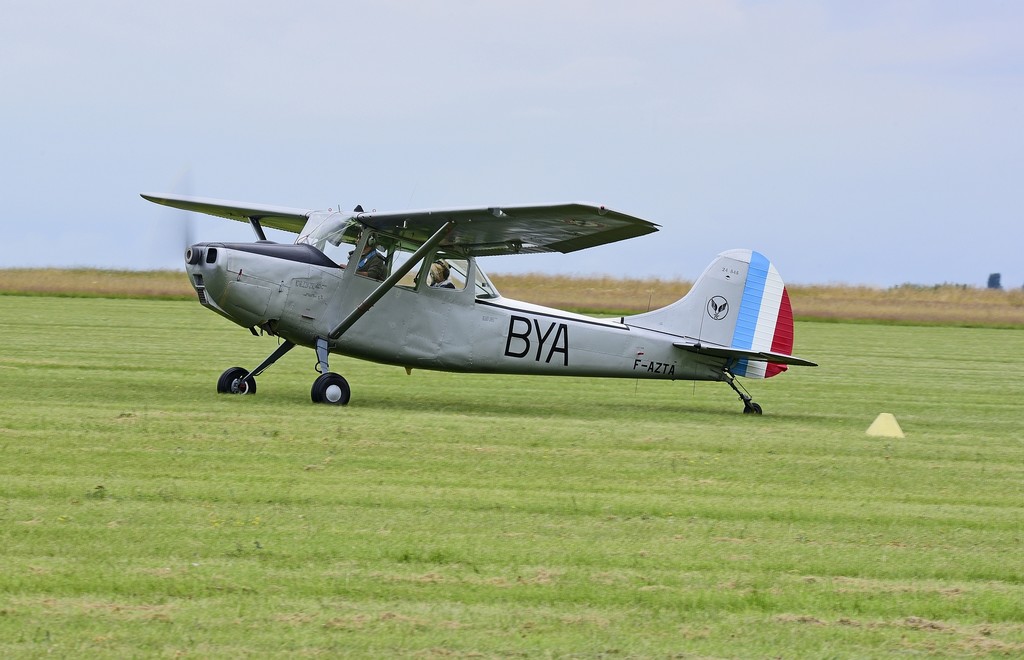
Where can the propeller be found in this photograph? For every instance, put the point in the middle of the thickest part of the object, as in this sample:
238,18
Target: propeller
183,186
175,229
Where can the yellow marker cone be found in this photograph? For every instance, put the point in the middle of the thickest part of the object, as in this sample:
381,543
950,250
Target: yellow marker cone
886,426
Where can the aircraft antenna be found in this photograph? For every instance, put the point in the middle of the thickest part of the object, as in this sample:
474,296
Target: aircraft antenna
650,298
700,328
412,193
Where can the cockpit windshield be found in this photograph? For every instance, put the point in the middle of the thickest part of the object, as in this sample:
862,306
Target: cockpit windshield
327,231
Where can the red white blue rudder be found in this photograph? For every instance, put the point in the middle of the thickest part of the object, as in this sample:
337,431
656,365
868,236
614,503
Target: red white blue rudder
764,321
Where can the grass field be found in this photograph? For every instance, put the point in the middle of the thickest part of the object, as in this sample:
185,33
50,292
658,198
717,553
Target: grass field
446,515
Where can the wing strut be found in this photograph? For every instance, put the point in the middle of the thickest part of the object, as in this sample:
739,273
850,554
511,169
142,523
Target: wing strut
391,281
257,227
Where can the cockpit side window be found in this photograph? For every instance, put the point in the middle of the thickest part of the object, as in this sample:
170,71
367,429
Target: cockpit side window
451,270
482,286
369,259
441,274
396,258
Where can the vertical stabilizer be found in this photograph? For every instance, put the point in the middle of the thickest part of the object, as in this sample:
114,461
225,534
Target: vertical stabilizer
739,302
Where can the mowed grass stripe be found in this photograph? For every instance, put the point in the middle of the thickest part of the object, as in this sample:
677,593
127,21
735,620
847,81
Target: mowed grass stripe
458,514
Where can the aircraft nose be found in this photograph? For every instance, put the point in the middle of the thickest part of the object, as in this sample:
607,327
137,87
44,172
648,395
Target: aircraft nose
204,272
198,253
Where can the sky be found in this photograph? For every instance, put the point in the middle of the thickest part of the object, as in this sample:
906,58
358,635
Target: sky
860,143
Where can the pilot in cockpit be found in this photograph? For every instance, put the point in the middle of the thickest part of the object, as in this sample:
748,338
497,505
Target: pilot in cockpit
371,262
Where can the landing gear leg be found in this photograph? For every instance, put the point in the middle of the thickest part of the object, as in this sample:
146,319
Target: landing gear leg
329,387
238,380
274,357
749,407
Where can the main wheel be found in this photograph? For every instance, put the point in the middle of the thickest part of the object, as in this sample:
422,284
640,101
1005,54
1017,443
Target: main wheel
751,408
233,381
332,389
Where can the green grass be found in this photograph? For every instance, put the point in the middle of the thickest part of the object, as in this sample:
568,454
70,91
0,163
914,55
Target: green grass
441,514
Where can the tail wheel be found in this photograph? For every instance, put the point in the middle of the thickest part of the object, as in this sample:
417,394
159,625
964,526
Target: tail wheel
234,381
332,389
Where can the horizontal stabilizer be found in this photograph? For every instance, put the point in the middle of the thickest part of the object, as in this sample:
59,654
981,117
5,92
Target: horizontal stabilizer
743,354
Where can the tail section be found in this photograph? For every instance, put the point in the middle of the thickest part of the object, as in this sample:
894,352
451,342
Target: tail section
738,309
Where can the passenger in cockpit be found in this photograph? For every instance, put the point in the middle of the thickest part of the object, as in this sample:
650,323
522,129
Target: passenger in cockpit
439,275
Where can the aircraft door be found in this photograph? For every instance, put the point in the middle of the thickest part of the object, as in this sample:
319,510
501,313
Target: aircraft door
436,332
454,283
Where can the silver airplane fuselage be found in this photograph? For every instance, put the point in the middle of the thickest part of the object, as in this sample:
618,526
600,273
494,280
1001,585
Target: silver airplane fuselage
296,292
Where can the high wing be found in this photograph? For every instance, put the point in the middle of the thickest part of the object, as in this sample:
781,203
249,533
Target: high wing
496,230
476,231
741,353
278,217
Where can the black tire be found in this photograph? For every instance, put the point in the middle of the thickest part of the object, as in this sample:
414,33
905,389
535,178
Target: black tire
332,389
230,382
752,409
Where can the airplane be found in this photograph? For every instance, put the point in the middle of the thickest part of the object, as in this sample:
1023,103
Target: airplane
406,288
